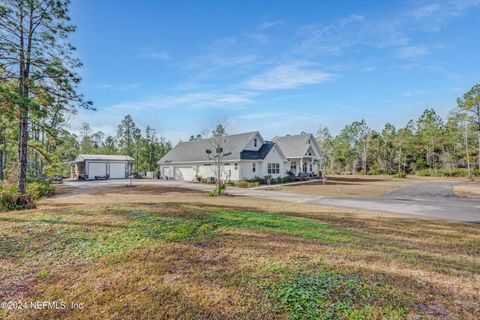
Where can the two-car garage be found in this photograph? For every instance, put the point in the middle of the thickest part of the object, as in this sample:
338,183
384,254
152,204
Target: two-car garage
187,173
94,167
109,169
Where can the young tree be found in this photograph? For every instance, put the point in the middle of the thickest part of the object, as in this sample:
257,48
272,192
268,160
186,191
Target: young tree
126,134
470,103
217,152
36,55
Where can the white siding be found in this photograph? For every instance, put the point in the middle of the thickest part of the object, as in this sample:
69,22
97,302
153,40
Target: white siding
274,156
251,143
246,171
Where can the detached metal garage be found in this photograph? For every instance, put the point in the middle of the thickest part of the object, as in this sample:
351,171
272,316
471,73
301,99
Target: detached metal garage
99,166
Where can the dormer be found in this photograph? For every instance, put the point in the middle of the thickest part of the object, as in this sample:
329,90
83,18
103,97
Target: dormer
255,143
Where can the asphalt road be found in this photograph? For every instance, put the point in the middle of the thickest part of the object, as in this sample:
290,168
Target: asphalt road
433,200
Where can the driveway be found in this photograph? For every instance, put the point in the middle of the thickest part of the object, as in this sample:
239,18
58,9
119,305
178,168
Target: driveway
434,200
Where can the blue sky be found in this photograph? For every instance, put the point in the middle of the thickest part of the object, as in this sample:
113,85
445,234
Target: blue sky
279,67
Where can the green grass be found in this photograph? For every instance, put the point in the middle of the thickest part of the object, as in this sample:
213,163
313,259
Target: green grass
211,261
267,222
334,295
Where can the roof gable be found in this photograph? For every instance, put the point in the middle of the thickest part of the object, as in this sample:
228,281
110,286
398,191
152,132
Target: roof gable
297,146
195,150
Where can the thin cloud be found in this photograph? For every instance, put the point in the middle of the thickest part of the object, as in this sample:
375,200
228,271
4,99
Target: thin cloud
260,115
413,52
189,101
270,24
116,87
287,76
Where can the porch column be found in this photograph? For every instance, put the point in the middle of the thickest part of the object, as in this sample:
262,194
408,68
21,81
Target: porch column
301,165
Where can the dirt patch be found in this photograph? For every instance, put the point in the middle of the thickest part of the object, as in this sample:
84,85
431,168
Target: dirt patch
350,186
468,191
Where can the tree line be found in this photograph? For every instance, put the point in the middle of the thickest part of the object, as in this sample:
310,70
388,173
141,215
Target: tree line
39,93
146,148
429,145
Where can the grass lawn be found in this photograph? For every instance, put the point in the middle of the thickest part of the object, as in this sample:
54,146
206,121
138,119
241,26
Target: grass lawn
155,252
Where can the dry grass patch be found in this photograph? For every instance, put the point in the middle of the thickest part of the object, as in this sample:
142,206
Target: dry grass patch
468,191
157,252
350,186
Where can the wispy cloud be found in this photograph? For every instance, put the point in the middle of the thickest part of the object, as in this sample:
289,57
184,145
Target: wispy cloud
287,76
189,101
116,87
425,10
412,93
155,55
270,24
260,115
413,52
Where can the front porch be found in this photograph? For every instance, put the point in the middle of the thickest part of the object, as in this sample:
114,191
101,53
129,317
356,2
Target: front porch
306,165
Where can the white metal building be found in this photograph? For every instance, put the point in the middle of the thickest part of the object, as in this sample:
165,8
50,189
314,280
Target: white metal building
100,166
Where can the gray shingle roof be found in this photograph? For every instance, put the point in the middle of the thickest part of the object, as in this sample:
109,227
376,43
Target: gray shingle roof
257,155
195,150
83,157
294,146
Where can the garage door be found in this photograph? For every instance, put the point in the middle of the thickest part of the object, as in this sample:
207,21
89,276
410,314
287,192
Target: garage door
117,170
97,169
206,171
167,172
184,173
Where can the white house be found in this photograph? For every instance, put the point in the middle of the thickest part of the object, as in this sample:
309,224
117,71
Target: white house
100,166
302,152
246,155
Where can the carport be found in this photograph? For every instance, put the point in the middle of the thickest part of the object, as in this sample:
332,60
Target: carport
100,166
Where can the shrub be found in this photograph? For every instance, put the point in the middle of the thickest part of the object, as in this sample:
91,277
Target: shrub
400,175
257,179
40,188
221,190
10,199
246,184
459,172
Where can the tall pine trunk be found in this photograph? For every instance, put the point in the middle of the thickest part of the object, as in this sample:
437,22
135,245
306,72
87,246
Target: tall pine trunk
2,154
22,149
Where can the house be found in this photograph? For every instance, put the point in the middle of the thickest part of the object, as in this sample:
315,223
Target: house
100,166
302,152
247,155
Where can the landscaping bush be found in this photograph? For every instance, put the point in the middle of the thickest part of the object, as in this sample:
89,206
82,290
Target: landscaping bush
10,199
40,188
246,184
221,190
400,175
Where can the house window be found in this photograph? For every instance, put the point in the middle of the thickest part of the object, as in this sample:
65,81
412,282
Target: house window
293,166
273,168
236,166
254,167
311,167
255,142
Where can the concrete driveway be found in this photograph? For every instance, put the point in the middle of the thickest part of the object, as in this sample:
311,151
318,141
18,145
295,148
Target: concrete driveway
434,200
